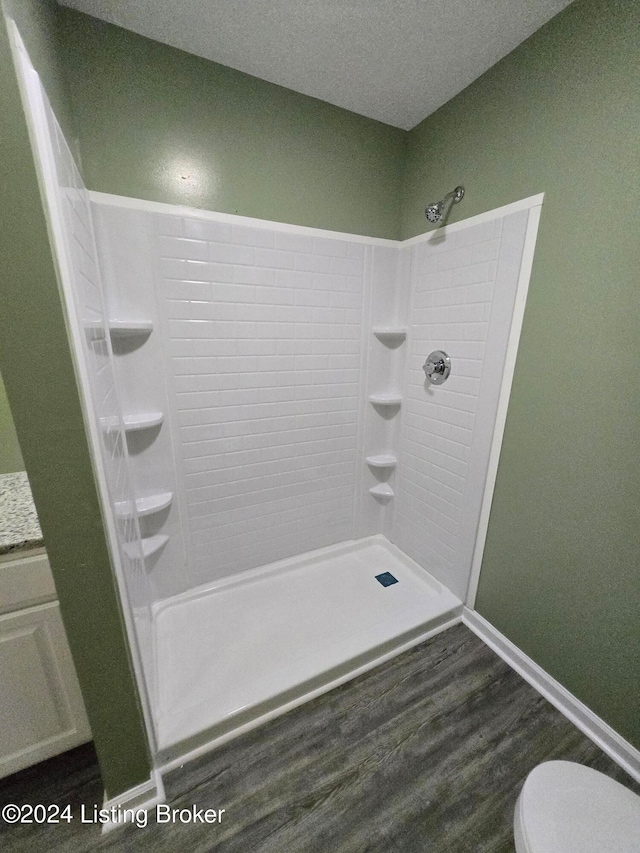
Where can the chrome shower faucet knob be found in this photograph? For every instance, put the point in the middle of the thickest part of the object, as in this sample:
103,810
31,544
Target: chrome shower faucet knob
437,367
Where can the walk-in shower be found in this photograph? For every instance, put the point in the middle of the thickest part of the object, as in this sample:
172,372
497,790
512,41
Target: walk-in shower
288,501
436,210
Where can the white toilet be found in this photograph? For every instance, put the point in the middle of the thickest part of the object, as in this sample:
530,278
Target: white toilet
568,808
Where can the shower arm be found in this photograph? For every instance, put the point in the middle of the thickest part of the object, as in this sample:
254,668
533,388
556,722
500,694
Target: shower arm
457,195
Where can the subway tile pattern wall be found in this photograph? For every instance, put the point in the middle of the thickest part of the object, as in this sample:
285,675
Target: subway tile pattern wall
261,333
446,430
263,337
125,243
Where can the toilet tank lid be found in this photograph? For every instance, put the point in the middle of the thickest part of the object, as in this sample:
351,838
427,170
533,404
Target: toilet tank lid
569,808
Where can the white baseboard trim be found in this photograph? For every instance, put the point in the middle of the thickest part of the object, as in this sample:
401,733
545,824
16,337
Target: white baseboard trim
609,741
131,805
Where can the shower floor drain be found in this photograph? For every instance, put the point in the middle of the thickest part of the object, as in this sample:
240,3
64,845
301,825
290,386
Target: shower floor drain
386,579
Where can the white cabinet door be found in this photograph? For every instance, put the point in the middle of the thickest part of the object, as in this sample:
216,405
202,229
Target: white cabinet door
25,581
41,707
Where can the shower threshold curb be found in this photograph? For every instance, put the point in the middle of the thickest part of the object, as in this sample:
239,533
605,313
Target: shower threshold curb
176,755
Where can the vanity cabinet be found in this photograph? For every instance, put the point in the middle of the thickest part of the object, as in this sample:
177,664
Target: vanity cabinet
41,708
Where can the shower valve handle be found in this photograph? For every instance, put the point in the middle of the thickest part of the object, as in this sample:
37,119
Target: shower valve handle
437,367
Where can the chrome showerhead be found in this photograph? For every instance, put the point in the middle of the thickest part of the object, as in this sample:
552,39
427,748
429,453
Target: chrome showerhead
435,210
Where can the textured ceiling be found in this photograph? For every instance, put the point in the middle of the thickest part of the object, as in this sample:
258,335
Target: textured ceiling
393,60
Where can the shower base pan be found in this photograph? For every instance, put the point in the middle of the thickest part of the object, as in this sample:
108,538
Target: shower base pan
248,648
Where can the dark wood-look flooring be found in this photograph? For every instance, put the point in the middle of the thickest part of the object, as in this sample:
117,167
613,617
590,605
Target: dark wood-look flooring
426,753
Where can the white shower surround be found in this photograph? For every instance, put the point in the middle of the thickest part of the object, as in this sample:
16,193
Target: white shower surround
265,333
271,341
292,365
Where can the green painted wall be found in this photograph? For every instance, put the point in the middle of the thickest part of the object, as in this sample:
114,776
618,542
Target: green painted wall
158,123
10,456
40,381
561,114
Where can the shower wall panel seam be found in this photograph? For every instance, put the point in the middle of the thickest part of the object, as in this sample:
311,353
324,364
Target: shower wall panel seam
358,492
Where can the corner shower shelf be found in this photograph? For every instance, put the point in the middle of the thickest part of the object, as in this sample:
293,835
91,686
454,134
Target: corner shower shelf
385,399
382,491
390,333
150,546
146,505
146,420
384,460
130,328
132,423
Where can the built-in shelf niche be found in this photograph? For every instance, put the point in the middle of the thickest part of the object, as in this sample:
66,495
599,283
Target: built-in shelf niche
382,491
146,505
130,328
382,460
390,334
385,399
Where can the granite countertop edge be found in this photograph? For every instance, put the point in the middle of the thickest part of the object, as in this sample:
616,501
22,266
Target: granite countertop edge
19,525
